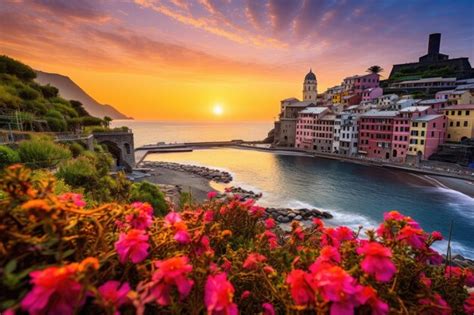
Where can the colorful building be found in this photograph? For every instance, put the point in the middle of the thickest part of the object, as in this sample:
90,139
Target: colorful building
358,83
460,122
324,135
371,94
427,133
376,134
306,127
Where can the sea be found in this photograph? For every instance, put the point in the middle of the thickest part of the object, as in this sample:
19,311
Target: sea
357,195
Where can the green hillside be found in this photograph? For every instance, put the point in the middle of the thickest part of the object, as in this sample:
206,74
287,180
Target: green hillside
28,106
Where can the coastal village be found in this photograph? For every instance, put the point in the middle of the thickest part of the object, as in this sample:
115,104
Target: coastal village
424,110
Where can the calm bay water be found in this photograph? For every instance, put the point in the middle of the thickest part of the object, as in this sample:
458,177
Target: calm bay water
149,131
354,194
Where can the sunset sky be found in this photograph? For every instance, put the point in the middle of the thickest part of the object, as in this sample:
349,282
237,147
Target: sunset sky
177,59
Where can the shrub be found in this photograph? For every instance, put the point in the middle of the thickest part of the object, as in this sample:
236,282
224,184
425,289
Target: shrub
42,153
76,149
79,172
147,192
220,257
16,68
28,93
49,91
8,156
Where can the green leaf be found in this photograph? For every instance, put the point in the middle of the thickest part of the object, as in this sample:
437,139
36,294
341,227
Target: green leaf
11,266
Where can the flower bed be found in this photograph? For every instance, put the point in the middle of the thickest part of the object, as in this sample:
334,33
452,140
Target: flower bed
60,256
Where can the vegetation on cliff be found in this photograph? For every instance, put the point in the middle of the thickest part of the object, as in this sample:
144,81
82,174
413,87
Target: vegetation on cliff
64,255
37,107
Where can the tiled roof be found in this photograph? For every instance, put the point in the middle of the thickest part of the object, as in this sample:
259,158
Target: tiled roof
377,113
460,106
313,110
427,117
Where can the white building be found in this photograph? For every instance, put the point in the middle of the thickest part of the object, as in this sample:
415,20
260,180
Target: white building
387,100
345,134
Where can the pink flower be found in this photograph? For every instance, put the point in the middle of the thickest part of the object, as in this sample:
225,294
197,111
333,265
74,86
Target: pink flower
335,236
253,260
208,216
55,291
300,287
436,305
173,220
270,223
469,304
412,236
336,285
211,194
271,238
377,261
268,309
257,211
218,295
132,246
114,294
142,216
204,247
318,224
76,199
393,215
226,265
328,256
172,272
460,273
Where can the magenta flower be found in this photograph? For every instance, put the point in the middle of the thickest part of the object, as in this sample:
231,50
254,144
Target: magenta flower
218,295
436,305
469,304
174,221
208,216
337,286
369,296
55,291
132,246
437,236
172,272
211,195
142,216
114,295
268,309
328,256
377,261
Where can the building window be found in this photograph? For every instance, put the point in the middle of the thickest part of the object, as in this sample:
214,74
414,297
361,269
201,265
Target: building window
459,113
422,141
458,123
467,113
465,124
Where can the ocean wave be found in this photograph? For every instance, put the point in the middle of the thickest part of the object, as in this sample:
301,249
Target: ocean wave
456,248
461,203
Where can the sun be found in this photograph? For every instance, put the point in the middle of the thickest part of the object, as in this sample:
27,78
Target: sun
217,110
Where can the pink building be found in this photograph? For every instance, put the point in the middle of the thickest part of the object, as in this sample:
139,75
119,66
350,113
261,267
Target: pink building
371,94
401,130
306,127
427,133
376,134
358,83
436,104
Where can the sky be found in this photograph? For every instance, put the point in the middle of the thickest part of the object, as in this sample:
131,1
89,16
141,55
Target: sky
178,60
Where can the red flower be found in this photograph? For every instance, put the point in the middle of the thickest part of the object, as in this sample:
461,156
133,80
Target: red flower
208,216
55,291
268,309
425,280
132,246
377,261
114,295
300,287
272,239
469,304
412,236
334,236
269,223
369,296
437,236
172,272
219,294
245,295
253,260
328,256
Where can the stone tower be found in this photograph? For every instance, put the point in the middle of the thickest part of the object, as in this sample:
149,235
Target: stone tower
310,87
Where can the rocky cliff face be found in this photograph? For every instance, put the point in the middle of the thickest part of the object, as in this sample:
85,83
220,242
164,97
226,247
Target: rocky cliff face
68,89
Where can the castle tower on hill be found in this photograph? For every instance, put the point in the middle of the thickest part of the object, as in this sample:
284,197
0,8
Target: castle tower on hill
310,87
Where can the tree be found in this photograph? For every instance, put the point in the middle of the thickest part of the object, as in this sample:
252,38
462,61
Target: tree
107,121
16,68
375,69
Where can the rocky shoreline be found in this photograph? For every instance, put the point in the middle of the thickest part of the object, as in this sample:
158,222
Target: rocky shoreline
206,172
281,215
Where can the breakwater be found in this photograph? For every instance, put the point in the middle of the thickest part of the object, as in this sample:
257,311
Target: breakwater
206,172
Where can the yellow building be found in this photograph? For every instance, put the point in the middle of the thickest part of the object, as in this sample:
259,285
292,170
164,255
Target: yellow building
336,98
460,122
